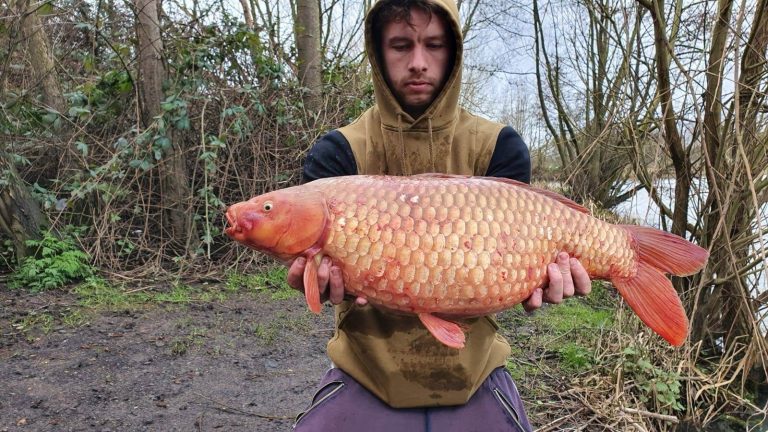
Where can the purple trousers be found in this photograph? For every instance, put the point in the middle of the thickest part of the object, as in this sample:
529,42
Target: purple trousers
343,405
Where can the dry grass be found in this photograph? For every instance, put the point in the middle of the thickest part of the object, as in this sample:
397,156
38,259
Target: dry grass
620,390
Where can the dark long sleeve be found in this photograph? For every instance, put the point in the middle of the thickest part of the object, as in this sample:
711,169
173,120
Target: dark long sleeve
330,156
510,158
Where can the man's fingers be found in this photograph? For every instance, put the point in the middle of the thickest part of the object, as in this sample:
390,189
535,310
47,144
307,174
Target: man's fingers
295,276
582,284
337,285
534,301
361,301
323,274
554,292
564,265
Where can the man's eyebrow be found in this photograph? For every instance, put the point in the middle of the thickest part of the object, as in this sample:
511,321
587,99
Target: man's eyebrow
402,39
399,39
440,38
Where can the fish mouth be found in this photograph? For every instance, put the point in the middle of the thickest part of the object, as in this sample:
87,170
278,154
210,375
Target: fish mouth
235,224
245,226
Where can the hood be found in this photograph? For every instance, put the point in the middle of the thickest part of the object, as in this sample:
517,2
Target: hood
444,108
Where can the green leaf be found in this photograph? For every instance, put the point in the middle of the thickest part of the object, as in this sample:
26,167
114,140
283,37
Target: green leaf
141,164
182,123
50,117
163,142
82,147
81,112
644,364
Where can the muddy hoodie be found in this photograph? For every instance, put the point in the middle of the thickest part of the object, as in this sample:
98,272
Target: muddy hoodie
393,355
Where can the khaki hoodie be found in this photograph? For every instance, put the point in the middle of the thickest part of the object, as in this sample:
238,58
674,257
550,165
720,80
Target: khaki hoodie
393,355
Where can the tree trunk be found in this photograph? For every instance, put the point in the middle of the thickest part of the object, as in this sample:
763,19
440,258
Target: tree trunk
40,57
309,57
247,14
750,155
43,66
150,61
680,159
706,319
175,192
20,216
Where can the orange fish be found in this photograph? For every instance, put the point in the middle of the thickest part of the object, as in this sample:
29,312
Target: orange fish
450,247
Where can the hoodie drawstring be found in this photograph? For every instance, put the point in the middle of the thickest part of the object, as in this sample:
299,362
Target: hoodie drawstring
406,170
431,144
404,164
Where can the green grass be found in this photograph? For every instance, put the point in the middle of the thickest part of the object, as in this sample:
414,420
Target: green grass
180,345
281,326
564,334
575,356
272,280
33,324
74,318
98,293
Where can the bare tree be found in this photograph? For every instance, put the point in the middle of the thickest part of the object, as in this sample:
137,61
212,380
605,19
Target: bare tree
175,192
309,56
674,142
735,156
586,94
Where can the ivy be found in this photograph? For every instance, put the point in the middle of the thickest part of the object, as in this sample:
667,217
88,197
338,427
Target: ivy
655,384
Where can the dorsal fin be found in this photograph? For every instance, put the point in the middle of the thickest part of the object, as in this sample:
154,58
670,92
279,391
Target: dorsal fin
549,194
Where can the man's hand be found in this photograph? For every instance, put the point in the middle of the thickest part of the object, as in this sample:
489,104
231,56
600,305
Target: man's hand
329,280
567,277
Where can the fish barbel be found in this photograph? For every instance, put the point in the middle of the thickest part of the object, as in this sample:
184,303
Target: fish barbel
448,247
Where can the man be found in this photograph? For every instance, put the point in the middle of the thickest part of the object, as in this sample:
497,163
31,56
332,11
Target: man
390,373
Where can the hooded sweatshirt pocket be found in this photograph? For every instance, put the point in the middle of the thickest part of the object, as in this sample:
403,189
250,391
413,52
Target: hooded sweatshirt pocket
509,408
325,393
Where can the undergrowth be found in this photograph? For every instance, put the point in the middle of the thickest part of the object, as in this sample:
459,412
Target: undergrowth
56,262
591,364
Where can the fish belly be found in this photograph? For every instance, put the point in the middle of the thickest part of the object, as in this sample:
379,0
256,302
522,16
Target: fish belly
459,247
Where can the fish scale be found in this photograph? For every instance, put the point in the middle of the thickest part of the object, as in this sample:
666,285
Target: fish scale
447,247
463,249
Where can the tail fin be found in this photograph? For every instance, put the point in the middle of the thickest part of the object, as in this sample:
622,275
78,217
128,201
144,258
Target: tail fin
650,293
667,252
653,298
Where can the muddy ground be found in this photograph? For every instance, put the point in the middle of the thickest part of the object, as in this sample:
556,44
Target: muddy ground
247,363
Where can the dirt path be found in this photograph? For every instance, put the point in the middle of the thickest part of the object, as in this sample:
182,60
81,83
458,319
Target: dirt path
248,363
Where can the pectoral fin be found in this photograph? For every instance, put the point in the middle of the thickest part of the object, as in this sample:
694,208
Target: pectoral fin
311,288
449,333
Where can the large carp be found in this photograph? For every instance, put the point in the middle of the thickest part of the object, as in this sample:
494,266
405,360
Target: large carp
449,247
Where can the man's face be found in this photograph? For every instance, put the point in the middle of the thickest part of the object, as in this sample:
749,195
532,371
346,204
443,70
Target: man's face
416,58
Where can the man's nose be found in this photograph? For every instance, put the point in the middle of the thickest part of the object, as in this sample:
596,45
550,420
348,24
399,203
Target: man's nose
418,60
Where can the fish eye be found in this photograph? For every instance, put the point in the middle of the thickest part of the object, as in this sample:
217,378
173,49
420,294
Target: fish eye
268,206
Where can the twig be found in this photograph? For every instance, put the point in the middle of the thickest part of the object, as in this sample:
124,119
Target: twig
231,410
665,417
555,424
